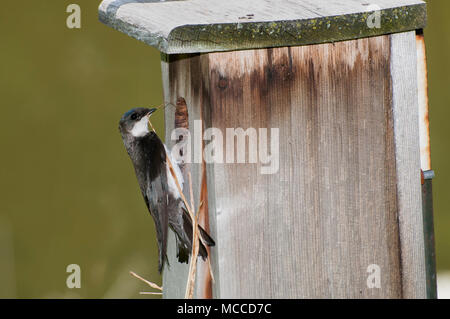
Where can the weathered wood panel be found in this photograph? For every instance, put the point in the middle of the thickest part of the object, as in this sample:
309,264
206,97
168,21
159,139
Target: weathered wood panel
406,113
186,76
193,26
312,229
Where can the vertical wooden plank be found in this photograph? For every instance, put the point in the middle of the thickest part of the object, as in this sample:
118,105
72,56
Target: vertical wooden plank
174,277
183,76
312,229
405,105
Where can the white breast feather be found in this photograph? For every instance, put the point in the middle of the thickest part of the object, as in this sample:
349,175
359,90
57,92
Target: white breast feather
140,128
173,189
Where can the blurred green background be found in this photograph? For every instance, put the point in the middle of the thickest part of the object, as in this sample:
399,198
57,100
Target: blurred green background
68,192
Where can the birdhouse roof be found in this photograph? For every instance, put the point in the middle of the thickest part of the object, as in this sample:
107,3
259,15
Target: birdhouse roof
192,26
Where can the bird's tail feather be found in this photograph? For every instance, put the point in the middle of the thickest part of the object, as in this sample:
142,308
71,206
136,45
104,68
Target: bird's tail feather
182,251
184,243
206,238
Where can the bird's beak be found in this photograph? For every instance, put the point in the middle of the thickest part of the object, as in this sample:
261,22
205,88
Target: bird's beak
150,112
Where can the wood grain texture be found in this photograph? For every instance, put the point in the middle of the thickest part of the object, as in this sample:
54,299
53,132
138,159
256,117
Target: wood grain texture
186,76
194,26
347,169
407,142
312,229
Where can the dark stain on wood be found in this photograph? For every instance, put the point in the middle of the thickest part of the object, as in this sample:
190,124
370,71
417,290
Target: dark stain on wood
331,210
332,104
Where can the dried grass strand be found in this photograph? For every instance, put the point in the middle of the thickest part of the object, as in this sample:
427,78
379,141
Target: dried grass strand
151,284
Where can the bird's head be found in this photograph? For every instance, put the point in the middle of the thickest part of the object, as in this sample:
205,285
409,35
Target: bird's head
134,123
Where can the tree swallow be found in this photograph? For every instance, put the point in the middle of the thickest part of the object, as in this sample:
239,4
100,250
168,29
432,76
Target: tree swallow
148,154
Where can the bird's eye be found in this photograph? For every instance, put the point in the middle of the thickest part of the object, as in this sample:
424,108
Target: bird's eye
134,116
